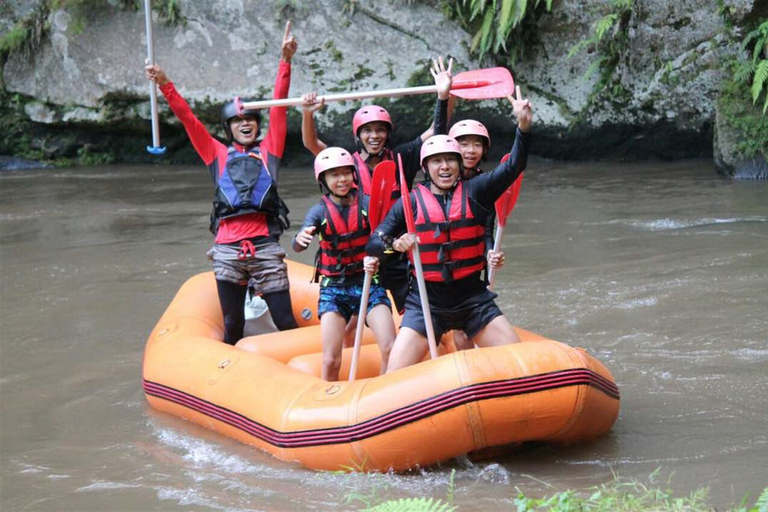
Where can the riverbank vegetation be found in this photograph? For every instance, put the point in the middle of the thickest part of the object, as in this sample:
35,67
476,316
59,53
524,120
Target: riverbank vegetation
619,495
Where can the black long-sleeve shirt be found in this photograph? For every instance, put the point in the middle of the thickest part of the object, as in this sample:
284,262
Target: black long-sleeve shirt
483,191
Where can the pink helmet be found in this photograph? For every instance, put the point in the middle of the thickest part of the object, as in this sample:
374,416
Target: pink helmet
370,114
439,144
470,127
331,158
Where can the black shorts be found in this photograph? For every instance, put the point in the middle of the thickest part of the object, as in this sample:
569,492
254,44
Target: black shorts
471,316
395,277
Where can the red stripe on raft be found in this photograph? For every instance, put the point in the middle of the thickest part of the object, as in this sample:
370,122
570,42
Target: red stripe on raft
391,420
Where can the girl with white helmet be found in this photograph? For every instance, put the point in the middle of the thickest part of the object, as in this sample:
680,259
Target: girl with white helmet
341,221
450,214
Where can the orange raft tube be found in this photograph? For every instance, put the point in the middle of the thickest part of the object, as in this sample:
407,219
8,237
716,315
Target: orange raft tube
266,391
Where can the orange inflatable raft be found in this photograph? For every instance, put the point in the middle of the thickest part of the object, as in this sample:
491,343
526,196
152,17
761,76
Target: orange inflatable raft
266,391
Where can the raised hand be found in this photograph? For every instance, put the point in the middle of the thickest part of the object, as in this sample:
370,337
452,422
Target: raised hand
310,103
155,73
522,109
290,44
442,76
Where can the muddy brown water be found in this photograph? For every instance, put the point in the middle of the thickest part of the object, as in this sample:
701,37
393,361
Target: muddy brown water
658,269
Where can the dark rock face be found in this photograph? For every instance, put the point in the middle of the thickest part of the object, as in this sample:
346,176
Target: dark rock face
83,86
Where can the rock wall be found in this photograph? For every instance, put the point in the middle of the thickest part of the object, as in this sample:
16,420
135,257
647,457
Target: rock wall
85,81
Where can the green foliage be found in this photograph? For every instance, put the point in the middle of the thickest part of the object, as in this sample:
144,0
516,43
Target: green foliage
756,67
627,496
498,26
27,34
609,42
413,505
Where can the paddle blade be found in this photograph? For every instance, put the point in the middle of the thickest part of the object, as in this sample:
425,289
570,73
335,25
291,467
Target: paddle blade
406,197
382,184
506,203
480,84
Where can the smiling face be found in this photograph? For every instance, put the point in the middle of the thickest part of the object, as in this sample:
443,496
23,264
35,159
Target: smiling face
340,180
245,129
443,171
373,136
472,150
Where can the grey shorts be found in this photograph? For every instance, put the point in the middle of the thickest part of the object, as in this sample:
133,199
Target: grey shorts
265,271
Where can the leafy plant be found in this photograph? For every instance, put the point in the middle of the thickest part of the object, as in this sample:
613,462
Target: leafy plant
498,25
756,67
413,505
27,34
609,42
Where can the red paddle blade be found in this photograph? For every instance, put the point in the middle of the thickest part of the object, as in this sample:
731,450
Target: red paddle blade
406,197
480,84
382,184
506,203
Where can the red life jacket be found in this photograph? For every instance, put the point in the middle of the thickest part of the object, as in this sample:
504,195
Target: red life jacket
342,241
365,177
451,248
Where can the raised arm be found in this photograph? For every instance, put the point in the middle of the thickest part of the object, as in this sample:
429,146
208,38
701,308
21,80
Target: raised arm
202,141
488,187
443,81
310,105
273,145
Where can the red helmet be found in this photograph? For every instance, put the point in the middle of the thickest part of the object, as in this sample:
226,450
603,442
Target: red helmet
470,127
331,158
439,144
369,114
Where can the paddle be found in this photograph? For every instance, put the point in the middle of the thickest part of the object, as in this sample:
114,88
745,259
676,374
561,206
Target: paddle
408,212
155,148
478,84
382,183
504,206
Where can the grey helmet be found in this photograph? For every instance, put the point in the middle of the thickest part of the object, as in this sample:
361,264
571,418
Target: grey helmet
229,111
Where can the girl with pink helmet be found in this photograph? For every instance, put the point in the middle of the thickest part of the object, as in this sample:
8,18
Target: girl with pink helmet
450,215
341,221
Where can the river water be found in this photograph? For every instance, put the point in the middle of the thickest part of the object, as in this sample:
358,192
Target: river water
660,270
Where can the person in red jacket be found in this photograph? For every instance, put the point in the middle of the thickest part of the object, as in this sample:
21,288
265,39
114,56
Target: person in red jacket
248,215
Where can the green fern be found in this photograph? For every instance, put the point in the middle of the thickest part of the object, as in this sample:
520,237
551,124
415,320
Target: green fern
497,25
762,501
413,505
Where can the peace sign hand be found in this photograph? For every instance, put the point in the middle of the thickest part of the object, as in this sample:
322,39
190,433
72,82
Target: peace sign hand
522,109
289,45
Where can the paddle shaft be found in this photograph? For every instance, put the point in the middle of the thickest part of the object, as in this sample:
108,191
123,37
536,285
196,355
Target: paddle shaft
152,85
496,247
345,96
360,325
424,301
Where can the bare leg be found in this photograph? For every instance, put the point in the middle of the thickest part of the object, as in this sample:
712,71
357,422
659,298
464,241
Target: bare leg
380,321
409,348
498,332
461,340
332,333
349,333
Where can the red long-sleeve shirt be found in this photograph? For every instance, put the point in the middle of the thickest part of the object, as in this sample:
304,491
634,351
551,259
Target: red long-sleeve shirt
214,153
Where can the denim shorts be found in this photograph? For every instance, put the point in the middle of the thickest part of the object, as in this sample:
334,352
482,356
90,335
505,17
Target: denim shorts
345,300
